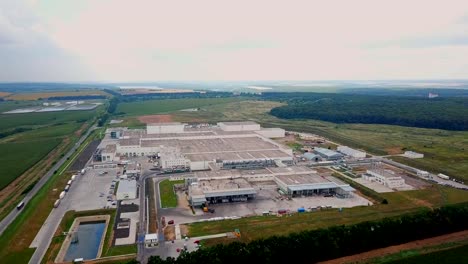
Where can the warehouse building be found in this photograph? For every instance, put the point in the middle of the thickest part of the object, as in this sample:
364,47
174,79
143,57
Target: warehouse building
219,190
312,184
164,128
328,154
126,190
351,152
108,153
385,177
312,156
239,126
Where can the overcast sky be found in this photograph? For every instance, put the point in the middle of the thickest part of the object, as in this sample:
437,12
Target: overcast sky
121,40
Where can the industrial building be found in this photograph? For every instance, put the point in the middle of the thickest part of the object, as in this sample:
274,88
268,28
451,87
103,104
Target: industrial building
231,144
312,156
164,128
351,152
108,153
215,191
312,184
385,177
328,154
126,190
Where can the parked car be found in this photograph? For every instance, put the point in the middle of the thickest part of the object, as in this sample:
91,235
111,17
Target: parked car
170,222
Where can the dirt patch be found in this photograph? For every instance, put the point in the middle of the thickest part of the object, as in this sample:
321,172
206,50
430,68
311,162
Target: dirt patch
458,236
169,233
393,150
147,119
183,230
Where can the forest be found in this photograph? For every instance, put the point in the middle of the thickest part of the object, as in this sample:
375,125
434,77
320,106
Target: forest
334,242
450,113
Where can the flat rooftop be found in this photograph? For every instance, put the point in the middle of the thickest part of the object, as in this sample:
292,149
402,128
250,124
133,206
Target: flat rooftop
221,187
165,124
127,186
110,148
239,123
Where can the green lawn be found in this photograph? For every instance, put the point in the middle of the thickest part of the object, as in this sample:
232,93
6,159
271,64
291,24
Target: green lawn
17,157
150,107
122,250
453,255
166,192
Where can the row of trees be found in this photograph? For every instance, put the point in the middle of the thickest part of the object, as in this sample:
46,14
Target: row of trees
334,242
442,113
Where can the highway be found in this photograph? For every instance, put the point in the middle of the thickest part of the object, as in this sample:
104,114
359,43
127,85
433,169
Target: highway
14,213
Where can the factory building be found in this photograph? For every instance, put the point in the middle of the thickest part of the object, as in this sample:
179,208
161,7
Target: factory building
108,153
271,132
239,126
328,154
351,152
126,190
312,156
219,190
165,128
384,177
312,184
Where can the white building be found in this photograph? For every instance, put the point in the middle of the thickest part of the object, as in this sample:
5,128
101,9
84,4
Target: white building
271,132
151,240
165,128
171,158
239,126
413,155
108,153
126,190
351,152
385,177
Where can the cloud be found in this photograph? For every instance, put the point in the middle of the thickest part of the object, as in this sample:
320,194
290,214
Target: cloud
119,40
27,53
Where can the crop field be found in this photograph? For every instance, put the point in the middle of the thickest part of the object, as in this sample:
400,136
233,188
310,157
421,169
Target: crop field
9,121
45,95
17,157
168,105
4,94
445,151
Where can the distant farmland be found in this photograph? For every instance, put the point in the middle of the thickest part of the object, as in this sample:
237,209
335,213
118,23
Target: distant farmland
45,95
168,105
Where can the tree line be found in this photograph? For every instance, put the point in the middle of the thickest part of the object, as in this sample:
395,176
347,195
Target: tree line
443,113
329,243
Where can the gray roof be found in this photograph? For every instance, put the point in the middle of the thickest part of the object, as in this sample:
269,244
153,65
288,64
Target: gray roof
327,152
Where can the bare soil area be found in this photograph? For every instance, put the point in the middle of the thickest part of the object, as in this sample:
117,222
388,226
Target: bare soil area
458,236
155,119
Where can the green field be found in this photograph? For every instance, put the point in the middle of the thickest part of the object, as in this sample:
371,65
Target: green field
151,107
10,121
17,157
166,192
453,255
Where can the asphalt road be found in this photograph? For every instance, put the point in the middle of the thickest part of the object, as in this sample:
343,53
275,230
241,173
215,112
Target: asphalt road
14,213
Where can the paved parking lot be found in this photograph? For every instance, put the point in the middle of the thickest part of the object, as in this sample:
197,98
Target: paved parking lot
92,189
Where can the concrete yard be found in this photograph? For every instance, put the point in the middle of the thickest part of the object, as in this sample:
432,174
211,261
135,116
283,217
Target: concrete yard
93,190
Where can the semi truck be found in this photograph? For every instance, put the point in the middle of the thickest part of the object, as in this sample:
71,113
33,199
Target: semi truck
57,202
67,188
443,176
62,194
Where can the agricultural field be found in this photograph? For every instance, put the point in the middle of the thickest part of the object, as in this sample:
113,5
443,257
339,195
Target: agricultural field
45,95
17,157
167,105
4,94
445,151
